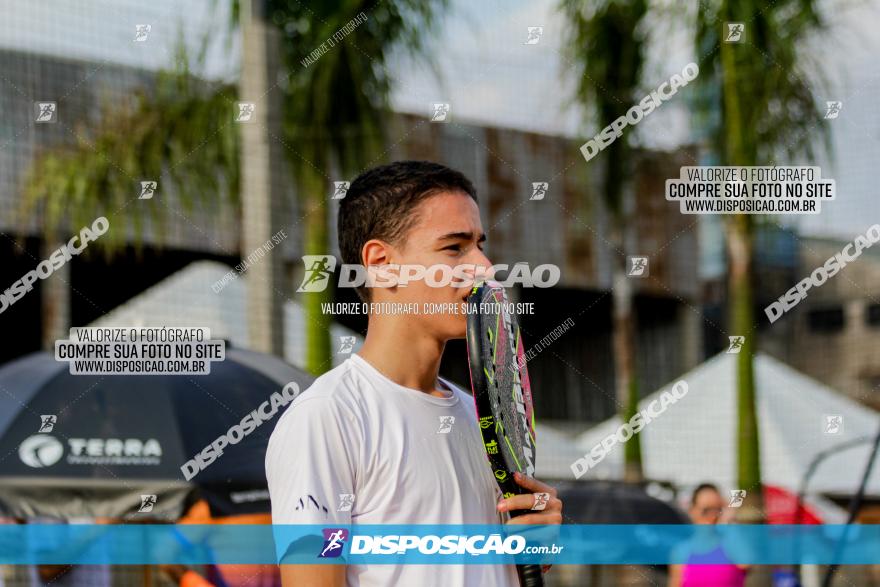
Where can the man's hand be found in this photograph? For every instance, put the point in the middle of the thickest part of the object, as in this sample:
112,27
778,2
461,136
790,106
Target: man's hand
552,512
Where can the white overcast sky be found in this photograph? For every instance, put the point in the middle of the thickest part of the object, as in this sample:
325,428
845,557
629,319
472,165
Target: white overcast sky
490,76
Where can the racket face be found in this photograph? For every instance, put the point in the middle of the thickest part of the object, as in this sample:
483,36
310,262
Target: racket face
501,387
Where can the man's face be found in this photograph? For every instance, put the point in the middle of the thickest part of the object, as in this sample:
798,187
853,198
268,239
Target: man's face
707,508
446,231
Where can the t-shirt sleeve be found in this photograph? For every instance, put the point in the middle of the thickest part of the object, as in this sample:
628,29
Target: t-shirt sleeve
310,468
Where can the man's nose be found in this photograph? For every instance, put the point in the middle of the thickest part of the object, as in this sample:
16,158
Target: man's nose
483,266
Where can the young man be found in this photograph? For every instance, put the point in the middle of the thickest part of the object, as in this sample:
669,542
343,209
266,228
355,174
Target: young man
361,445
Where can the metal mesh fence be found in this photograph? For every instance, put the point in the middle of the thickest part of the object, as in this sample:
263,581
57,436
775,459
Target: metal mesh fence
509,131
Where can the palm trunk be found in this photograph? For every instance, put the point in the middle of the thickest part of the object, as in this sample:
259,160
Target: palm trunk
55,302
740,301
318,343
624,325
623,340
739,243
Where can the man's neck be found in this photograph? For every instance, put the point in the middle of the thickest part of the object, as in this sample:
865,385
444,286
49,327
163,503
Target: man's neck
401,354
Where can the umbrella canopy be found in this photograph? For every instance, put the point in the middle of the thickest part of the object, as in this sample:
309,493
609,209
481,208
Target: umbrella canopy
783,508
114,439
695,439
612,502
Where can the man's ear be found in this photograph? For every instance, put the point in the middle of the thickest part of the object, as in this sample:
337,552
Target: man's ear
376,252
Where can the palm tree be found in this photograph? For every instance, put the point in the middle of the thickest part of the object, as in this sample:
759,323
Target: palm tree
337,108
147,136
768,109
606,50
332,116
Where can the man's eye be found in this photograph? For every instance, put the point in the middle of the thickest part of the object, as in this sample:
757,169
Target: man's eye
452,248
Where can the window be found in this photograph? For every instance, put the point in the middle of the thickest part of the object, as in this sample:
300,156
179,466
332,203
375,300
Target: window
826,320
872,315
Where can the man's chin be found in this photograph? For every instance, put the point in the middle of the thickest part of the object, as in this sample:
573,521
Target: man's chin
458,327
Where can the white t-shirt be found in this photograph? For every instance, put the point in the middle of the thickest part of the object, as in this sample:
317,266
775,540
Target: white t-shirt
354,431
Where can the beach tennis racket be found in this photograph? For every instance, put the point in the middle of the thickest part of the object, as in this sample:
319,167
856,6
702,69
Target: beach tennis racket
503,396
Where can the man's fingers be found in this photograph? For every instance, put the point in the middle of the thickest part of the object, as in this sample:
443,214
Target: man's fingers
537,519
533,484
537,501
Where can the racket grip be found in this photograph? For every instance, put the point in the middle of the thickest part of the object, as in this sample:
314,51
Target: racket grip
530,575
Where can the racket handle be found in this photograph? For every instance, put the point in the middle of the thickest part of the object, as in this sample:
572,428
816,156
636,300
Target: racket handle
530,575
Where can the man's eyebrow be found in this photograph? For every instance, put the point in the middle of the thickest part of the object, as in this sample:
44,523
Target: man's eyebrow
466,235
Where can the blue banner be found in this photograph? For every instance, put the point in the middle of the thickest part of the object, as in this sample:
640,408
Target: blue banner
432,544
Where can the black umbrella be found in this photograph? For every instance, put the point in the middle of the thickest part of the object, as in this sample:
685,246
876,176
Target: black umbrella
612,502
92,446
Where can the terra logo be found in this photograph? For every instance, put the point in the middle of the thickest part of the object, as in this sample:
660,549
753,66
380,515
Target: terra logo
40,450
334,542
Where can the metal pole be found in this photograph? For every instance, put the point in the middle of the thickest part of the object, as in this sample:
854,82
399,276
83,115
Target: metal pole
805,480
854,507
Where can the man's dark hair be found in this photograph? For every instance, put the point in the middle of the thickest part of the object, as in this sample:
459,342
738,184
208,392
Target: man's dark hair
700,488
381,203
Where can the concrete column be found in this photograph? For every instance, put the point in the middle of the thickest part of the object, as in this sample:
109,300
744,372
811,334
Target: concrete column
262,194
